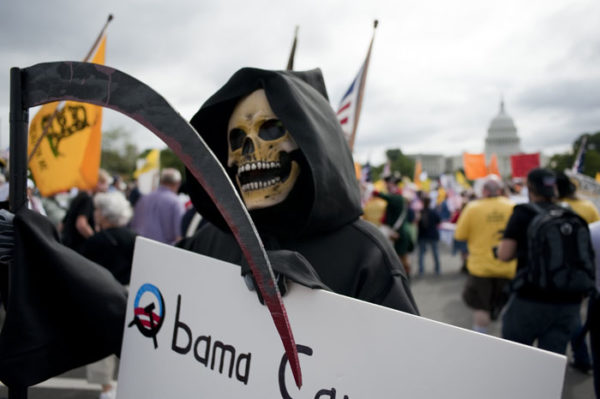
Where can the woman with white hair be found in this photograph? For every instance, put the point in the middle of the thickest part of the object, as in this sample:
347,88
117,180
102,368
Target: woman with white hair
112,247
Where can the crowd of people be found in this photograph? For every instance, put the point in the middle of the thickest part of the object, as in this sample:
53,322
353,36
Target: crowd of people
301,191
102,225
520,269
489,232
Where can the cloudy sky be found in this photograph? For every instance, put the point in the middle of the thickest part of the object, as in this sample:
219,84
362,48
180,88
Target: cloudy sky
437,72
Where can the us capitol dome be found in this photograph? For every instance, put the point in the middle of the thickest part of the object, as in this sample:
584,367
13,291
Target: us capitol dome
502,140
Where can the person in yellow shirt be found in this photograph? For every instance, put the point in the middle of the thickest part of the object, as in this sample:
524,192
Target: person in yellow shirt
566,194
481,224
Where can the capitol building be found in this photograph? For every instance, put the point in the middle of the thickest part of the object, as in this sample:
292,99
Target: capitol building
501,139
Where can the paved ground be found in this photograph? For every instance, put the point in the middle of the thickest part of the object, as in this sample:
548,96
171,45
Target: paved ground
438,298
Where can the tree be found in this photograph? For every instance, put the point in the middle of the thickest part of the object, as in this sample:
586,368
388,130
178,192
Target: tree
560,162
591,162
168,159
118,152
376,172
400,162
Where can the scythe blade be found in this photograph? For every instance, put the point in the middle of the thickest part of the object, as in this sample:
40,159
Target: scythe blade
110,88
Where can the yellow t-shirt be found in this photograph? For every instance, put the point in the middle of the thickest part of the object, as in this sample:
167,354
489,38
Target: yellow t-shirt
374,210
481,224
584,208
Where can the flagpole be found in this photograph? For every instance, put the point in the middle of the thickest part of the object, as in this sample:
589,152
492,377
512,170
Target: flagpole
53,116
89,54
290,64
363,80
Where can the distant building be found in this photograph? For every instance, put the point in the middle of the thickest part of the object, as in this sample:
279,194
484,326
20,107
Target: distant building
433,164
502,140
437,164
454,163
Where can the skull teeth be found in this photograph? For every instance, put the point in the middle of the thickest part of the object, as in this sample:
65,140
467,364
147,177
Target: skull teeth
260,165
259,185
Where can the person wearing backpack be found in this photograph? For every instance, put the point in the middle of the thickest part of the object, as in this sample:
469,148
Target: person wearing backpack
567,193
555,267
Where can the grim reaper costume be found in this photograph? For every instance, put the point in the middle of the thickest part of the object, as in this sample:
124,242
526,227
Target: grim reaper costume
295,173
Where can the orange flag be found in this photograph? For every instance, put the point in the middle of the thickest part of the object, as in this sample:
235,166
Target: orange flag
474,165
417,175
493,167
69,155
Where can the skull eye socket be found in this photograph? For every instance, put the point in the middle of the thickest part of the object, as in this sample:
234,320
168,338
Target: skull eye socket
271,130
236,138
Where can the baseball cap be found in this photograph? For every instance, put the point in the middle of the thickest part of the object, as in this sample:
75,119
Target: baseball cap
542,182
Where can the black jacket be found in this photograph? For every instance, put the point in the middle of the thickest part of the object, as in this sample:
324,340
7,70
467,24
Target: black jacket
315,236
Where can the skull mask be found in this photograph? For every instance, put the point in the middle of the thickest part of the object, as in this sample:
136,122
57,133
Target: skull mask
259,150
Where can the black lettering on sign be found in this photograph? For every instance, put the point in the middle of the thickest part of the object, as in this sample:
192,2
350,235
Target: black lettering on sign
243,377
224,349
306,350
326,393
323,393
206,340
180,325
222,353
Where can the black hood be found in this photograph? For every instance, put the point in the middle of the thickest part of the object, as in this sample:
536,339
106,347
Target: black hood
328,190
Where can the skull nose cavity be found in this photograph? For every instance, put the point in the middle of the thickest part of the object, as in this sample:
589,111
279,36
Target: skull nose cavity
247,147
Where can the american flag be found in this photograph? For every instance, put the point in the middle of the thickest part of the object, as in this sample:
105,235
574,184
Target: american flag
350,105
580,157
348,111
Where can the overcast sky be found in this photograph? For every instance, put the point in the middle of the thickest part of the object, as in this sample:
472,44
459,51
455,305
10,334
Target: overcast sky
437,71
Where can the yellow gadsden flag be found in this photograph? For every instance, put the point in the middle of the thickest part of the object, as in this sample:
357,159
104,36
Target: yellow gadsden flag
69,153
151,162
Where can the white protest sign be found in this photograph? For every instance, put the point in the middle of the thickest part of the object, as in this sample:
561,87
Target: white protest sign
208,337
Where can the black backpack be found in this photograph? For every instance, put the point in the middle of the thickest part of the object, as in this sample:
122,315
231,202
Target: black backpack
560,255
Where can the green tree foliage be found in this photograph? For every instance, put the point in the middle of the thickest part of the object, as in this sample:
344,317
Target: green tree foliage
591,163
400,162
118,152
376,172
560,162
168,159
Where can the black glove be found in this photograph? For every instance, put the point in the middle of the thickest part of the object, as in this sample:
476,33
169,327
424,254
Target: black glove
251,284
286,265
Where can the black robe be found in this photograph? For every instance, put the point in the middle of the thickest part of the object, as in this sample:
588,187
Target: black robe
316,236
62,310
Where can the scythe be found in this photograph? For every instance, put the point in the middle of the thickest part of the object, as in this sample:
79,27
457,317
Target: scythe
107,87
